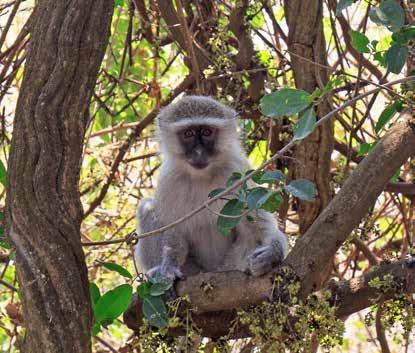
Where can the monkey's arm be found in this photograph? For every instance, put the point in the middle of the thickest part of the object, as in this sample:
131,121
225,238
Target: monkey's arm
261,243
159,255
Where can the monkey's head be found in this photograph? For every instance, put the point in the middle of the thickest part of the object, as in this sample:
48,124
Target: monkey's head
198,131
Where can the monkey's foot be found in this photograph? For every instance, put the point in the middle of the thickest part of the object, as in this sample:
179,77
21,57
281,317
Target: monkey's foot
163,273
166,274
265,258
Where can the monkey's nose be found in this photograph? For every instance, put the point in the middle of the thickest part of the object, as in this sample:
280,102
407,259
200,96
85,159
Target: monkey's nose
199,159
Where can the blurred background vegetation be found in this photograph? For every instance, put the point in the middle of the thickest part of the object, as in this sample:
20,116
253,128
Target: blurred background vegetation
239,50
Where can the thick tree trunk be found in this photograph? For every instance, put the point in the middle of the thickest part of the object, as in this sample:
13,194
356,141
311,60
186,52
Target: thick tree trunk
313,155
308,57
44,212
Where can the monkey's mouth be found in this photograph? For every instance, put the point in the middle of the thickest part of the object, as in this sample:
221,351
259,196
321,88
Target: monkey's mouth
198,165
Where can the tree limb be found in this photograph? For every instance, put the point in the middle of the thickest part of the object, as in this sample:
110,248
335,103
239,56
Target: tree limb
215,297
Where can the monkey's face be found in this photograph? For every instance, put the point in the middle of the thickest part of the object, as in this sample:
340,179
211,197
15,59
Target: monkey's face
198,144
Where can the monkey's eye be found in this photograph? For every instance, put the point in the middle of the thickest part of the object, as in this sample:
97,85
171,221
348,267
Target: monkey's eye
207,132
188,133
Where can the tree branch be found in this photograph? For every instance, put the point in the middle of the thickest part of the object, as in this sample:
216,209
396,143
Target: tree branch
215,308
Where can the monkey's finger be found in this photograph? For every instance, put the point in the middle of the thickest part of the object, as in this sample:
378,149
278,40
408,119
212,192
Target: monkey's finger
170,295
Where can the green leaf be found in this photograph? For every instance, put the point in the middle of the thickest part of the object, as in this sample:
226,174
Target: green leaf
342,5
271,176
387,115
254,197
395,58
96,329
3,241
272,202
105,323
233,207
159,288
117,268
233,178
143,290
113,303
118,2
334,82
395,177
215,192
94,294
404,35
389,14
306,125
287,101
379,57
3,174
359,42
268,177
365,148
261,198
258,176
301,188
155,311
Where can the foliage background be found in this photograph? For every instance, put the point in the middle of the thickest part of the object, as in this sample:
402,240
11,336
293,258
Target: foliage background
145,67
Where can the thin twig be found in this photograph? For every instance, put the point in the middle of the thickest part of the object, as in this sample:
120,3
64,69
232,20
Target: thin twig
8,285
9,22
130,238
380,330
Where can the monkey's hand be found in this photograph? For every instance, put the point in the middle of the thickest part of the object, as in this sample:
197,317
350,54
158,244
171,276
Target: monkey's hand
168,270
165,273
265,258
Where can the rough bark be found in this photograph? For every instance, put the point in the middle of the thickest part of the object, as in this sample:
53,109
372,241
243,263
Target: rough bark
234,290
44,212
308,57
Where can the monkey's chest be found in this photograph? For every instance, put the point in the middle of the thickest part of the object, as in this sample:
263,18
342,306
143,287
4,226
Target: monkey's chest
207,246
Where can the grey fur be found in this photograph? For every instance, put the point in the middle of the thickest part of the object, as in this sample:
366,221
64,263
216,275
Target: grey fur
191,107
195,245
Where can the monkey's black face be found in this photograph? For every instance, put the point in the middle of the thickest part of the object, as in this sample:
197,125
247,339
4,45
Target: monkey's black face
198,143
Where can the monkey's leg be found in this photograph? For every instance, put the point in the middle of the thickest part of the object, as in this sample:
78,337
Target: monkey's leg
169,268
259,246
265,258
159,256
272,249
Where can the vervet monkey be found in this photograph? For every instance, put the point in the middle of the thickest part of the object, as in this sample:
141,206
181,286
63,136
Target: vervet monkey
201,148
